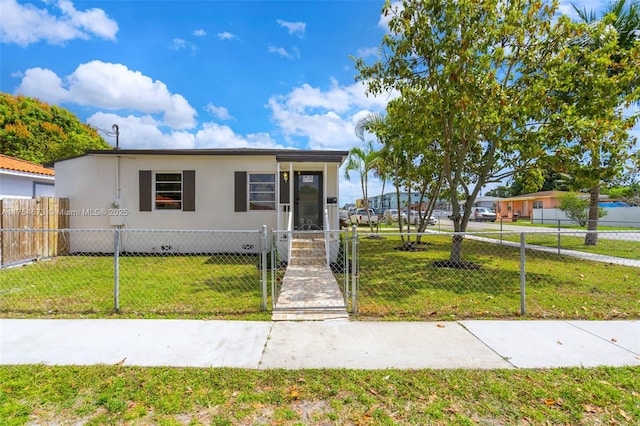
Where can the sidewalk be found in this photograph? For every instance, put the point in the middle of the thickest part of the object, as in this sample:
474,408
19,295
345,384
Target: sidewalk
322,344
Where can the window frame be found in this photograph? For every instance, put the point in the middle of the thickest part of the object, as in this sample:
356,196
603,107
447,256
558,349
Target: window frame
250,192
155,190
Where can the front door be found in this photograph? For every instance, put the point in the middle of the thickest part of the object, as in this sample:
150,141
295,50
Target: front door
307,209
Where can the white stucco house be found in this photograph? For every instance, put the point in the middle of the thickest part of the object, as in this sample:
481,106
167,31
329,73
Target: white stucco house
203,189
23,179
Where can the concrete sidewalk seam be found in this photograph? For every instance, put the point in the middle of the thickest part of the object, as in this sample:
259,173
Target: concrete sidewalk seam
505,358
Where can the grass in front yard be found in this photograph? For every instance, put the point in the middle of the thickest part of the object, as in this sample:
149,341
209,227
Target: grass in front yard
406,285
174,396
150,286
626,249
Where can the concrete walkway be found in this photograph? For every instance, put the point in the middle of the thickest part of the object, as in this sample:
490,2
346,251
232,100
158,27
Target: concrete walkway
321,344
309,293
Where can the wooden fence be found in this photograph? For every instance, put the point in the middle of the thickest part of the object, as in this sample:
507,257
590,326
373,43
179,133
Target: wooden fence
40,218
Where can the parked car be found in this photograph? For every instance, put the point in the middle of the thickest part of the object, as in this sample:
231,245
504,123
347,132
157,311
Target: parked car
344,217
391,215
414,218
360,217
483,214
431,220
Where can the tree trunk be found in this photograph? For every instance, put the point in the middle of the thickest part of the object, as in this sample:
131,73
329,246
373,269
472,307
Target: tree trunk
456,250
591,239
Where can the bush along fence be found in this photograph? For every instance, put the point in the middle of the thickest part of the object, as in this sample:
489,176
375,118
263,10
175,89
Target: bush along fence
239,274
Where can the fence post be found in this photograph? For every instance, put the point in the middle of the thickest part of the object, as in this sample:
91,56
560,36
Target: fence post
263,269
522,274
116,270
274,267
354,268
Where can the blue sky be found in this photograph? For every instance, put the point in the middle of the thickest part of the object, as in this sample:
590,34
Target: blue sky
201,74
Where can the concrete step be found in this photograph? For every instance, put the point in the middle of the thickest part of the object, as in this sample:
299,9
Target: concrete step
311,315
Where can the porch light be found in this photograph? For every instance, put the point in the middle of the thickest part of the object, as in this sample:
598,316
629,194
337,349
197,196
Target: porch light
285,176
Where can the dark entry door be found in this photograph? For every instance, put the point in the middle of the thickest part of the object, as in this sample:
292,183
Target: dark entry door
308,200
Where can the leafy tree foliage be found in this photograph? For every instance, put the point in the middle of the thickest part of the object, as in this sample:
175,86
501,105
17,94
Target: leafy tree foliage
471,73
40,133
593,85
577,208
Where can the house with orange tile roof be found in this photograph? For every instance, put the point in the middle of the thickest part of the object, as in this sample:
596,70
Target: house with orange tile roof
521,206
23,179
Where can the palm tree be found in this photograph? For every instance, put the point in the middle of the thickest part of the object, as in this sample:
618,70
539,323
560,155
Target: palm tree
361,161
379,167
627,26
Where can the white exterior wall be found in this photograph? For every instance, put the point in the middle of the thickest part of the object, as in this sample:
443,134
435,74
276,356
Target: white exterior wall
20,185
616,216
90,184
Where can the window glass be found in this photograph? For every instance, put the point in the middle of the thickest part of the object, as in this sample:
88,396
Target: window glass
168,191
262,191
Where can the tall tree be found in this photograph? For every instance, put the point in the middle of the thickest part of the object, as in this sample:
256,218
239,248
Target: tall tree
473,68
37,132
596,79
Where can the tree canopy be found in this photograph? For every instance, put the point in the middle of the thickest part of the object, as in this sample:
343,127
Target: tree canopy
35,131
470,74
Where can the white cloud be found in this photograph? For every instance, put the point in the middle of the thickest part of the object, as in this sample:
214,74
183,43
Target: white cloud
110,86
325,118
226,35
296,28
294,54
140,132
214,135
566,7
199,33
181,44
145,133
178,44
396,7
219,112
24,24
367,51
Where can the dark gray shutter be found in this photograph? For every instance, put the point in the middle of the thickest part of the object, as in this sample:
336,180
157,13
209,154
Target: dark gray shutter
284,188
189,190
145,190
240,192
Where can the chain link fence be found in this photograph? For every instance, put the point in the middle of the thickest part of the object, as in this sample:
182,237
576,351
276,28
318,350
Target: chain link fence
547,274
137,273
239,274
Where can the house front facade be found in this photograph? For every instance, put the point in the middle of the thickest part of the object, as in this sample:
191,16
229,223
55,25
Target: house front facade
213,189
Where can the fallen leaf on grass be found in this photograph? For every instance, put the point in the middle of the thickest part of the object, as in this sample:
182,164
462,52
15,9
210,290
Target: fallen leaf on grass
121,361
625,415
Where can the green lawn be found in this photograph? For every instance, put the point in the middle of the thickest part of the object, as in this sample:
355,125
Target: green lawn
150,286
179,396
406,285
617,248
393,285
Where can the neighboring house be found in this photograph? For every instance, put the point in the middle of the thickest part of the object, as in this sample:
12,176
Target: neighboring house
521,206
208,189
23,179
